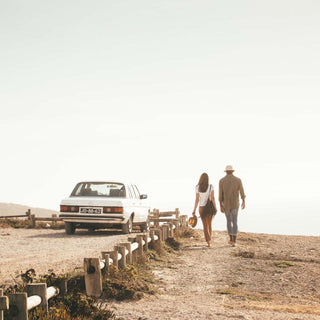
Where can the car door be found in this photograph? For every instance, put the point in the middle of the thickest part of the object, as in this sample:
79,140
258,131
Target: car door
142,208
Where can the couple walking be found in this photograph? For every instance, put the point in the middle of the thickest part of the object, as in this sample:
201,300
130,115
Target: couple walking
229,189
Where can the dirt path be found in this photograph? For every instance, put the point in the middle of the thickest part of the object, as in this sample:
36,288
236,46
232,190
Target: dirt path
46,249
215,283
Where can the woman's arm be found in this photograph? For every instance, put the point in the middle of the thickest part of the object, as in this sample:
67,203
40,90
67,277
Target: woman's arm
213,200
196,204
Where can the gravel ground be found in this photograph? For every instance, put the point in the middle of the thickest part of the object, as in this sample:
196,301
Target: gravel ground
214,283
200,283
48,250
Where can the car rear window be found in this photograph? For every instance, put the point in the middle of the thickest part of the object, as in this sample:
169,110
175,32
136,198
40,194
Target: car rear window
99,189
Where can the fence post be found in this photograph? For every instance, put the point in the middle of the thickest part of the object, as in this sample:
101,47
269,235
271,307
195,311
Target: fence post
127,245
145,238
33,220
177,213
140,248
28,214
106,257
38,289
159,234
152,232
171,230
114,256
157,216
18,308
122,251
92,277
54,221
4,304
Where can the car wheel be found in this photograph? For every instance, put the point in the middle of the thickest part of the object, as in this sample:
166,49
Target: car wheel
70,228
127,228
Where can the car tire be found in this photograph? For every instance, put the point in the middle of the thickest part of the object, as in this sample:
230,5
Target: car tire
127,228
70,228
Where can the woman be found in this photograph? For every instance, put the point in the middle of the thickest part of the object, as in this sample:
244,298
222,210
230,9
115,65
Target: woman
204,191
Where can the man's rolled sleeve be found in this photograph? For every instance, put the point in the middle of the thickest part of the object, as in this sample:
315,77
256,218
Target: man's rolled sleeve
242,191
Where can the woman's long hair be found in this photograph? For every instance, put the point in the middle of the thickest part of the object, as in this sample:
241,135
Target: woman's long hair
203,182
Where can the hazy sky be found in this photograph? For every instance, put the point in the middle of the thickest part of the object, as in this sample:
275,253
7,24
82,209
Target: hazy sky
158,92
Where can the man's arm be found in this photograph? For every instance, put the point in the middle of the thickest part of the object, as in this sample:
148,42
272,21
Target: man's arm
221,196
243,204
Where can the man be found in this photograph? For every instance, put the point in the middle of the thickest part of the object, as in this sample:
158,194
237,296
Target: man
229,189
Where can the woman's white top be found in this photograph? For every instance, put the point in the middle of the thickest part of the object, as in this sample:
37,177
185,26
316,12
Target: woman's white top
203,196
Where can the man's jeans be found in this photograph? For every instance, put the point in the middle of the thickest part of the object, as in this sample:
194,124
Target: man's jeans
232,221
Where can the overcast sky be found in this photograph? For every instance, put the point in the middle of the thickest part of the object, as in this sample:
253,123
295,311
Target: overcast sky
158,92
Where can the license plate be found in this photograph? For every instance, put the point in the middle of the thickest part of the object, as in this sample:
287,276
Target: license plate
91,210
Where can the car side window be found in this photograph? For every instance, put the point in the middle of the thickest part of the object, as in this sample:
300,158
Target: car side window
137,191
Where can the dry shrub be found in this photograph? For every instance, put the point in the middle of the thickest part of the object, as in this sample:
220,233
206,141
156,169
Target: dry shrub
173,243
14,223
129,283
186,232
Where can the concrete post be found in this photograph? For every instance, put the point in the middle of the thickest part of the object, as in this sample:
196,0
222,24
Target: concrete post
159,234
4,303
63,286
106,258
177,213
145,238
114,256
140,248
152,233
157,216
171,230
127,245
38,289
92,277
122,251
18,308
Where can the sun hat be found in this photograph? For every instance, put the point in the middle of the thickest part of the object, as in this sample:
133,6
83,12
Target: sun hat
193,221
229,168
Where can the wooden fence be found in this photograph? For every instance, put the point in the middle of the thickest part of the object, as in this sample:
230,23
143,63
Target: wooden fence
33,219
163,225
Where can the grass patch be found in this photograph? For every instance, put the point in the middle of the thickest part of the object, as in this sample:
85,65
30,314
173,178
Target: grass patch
130,283
244,254
225,291
284,264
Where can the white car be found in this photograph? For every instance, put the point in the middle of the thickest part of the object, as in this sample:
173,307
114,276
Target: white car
101,204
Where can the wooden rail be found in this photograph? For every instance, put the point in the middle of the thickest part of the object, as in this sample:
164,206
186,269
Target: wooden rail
33,219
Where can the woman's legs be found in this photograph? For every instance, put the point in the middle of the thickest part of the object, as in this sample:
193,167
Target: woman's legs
207,226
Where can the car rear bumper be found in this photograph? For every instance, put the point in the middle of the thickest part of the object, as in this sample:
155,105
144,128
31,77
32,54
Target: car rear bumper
94,219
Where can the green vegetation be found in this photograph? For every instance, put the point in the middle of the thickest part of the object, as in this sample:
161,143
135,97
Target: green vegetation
284,264
244,254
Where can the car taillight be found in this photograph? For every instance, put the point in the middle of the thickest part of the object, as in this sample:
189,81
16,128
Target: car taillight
69,209
112,210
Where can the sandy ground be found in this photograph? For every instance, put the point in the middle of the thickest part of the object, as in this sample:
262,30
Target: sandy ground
213,283
45,250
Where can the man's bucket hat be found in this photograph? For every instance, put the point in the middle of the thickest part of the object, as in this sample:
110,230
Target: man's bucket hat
229,168
193,221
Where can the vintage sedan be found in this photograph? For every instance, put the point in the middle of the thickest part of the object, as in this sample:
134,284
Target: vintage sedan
104,204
